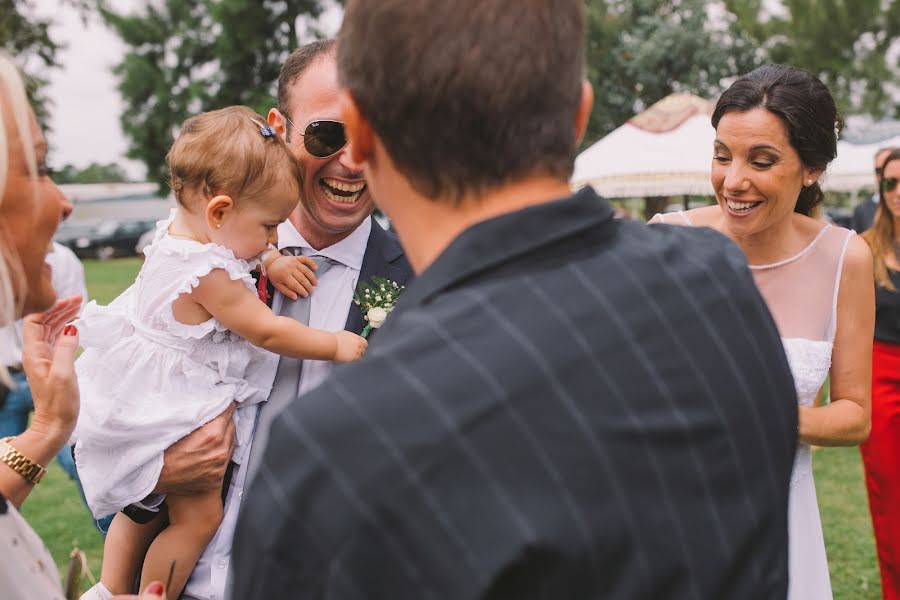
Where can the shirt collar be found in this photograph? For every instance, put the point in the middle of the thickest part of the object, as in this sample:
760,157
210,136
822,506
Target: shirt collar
349,251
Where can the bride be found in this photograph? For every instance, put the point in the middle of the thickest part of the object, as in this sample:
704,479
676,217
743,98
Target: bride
776,132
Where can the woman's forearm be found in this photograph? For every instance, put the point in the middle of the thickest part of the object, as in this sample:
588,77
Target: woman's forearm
839,423
39,444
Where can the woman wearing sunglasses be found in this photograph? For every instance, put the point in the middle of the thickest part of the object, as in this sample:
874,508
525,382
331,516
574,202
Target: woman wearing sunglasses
882,450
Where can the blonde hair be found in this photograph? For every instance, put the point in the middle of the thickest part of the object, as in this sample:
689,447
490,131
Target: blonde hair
13,104
880,236
226,151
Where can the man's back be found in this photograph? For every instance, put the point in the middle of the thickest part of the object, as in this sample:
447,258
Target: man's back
562,406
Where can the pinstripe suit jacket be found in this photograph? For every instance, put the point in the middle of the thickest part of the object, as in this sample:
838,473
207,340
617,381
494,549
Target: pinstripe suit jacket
563,406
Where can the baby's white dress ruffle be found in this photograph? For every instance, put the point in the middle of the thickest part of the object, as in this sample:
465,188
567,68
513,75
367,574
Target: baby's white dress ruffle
147,380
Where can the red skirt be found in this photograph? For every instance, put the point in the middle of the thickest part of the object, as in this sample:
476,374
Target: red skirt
881,457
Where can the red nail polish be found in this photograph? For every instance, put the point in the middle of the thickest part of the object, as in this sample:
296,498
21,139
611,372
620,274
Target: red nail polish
155,589
70,330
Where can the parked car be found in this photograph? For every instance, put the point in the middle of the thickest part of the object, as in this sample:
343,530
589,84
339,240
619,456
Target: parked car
109,239
70,230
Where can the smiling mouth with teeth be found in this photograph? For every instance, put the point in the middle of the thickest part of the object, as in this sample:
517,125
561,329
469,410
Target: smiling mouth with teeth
741,207
341,192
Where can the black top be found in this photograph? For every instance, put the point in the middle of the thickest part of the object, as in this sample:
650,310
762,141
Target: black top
887,311
562,406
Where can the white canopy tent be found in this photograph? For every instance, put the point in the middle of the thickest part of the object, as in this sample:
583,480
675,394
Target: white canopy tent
667,151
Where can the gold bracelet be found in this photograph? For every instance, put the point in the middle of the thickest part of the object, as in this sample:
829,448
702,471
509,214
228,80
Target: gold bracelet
18,462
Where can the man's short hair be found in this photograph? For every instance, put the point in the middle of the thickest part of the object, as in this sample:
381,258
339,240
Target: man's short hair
295,65
471,94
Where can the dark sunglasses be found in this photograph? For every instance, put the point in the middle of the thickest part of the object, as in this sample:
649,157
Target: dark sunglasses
322,138
889,184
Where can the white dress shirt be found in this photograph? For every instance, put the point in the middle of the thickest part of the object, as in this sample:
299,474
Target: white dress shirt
67,277
331,301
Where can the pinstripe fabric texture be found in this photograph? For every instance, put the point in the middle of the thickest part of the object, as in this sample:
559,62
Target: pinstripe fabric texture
563,406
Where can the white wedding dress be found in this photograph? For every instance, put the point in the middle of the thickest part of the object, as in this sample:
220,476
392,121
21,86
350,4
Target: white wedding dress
801,293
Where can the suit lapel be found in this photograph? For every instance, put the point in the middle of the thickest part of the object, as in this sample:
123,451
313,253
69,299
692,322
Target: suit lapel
384,258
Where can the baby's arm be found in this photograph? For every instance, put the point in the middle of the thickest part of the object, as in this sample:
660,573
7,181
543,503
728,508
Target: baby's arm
291,275
238,309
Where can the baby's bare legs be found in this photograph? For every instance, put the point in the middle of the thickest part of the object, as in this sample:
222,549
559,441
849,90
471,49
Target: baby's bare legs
124,549
193,521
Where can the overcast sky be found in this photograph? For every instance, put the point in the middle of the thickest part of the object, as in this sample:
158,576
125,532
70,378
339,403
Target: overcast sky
84,119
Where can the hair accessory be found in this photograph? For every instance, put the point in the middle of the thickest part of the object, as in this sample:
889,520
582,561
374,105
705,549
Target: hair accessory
265,130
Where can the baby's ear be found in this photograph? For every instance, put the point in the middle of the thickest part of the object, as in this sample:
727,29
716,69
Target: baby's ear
218,209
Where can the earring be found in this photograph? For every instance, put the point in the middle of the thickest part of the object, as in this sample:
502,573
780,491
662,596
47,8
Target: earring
809,182
218,225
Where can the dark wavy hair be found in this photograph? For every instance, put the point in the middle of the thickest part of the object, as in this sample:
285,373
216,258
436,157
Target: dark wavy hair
804,105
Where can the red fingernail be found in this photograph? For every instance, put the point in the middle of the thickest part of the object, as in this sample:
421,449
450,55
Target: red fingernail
70,330
155,589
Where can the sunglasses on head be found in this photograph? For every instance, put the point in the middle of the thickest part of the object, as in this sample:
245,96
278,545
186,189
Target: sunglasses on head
889,184
322,138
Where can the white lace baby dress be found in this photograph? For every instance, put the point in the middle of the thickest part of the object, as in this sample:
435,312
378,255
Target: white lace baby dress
802,293
147,380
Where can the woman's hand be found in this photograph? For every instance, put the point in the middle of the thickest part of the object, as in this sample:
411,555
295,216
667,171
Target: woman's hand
48,357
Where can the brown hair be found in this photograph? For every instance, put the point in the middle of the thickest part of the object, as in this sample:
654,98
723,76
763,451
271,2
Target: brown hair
805,107
225,152
880,236
467,95
295,65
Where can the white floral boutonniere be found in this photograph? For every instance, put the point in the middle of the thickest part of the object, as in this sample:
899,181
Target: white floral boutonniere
376,299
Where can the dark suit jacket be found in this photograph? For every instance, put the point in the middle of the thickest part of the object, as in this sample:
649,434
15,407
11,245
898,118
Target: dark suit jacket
864,215
383,258
563,406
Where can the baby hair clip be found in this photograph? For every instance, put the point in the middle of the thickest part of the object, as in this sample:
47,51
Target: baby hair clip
265,130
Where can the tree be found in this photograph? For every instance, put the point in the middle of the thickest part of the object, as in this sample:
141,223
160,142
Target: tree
844,42
187,57
93,173
27,39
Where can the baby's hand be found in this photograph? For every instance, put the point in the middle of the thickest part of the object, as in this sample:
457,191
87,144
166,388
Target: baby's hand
292,275
350,347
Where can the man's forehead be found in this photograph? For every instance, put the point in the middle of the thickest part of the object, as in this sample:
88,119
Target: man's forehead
316,93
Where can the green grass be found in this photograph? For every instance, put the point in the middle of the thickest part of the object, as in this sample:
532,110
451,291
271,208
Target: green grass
848,528
55,509
109,278
57,513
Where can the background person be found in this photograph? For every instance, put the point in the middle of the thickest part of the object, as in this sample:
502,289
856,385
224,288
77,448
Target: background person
882,450
864,213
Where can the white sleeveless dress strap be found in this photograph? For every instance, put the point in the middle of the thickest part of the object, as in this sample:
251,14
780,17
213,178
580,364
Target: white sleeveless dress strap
832,326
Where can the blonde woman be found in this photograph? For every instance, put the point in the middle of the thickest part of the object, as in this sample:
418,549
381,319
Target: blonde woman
881,451
31,207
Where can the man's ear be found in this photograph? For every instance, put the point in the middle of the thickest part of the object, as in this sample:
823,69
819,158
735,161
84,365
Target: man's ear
218,209
583,115
277,121
360,136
